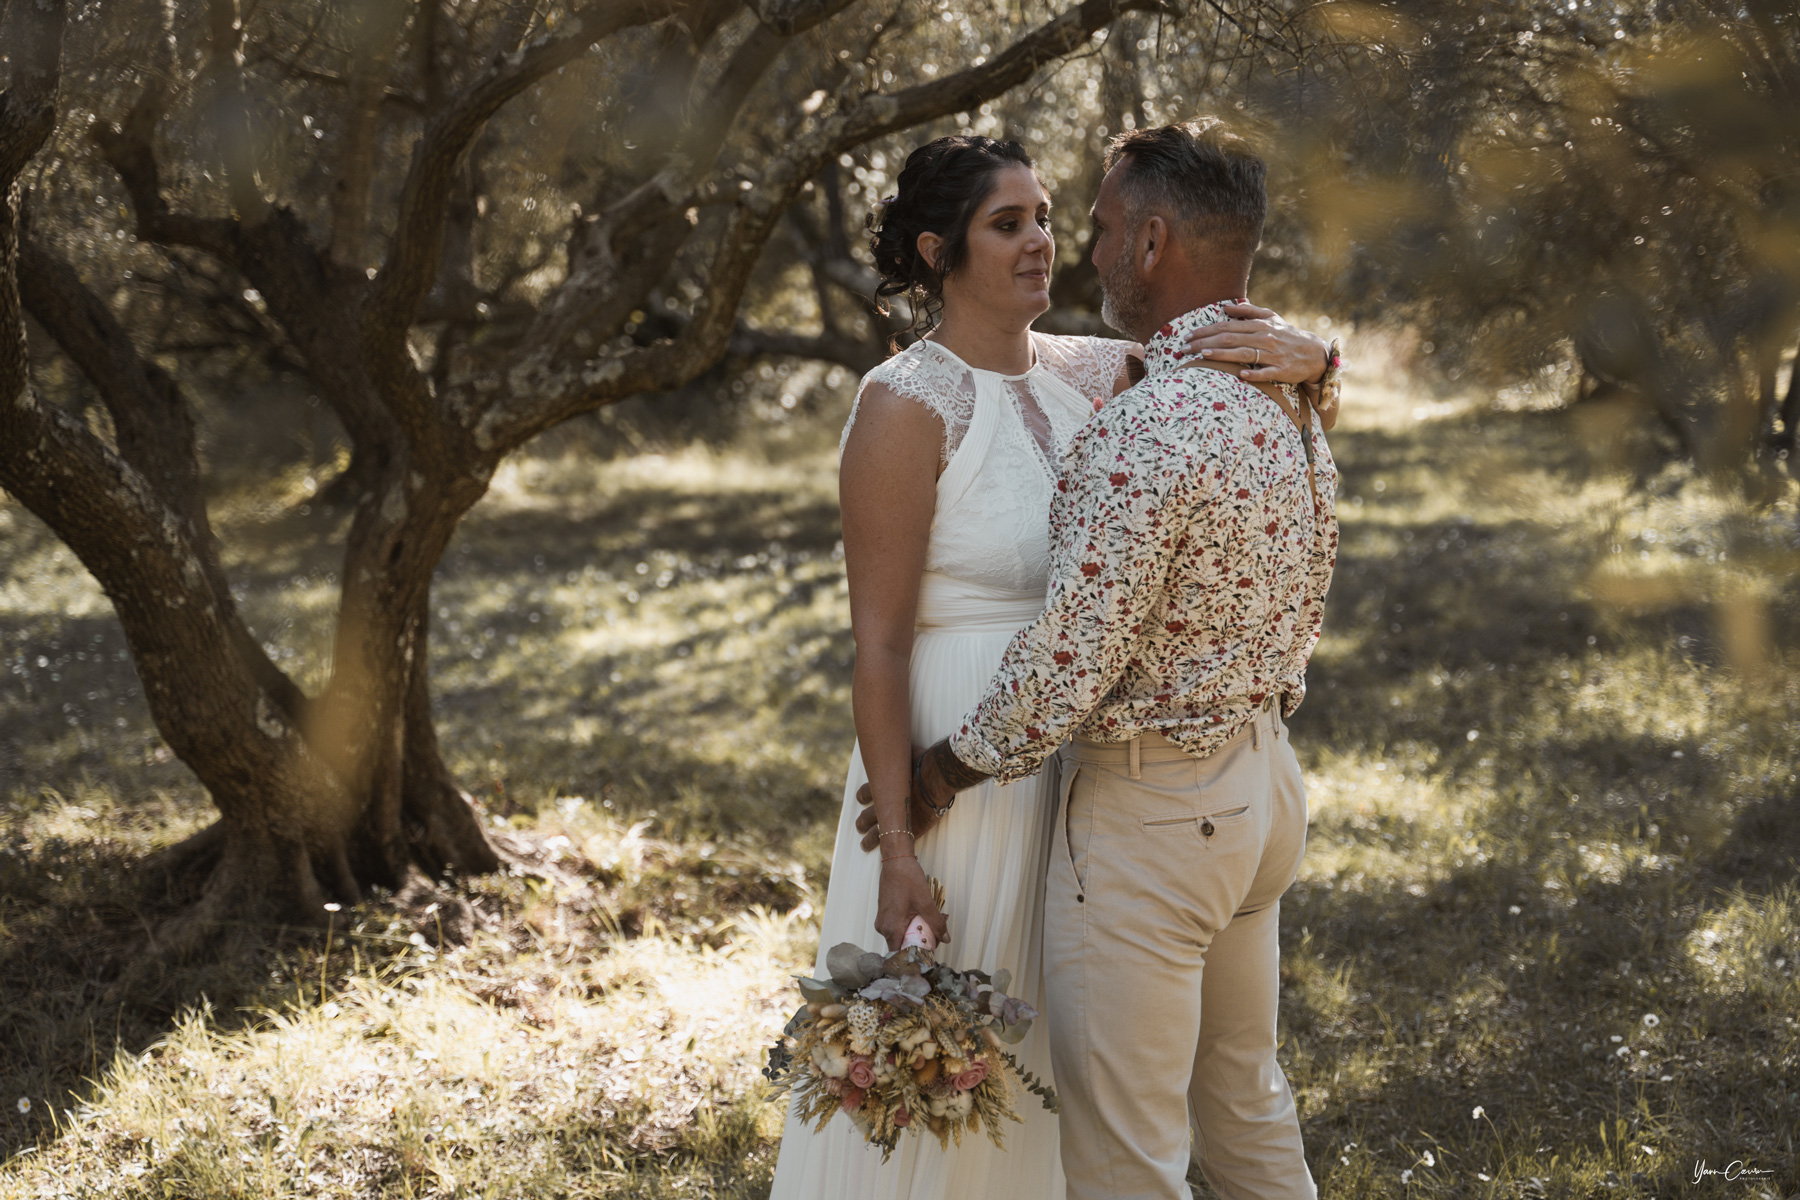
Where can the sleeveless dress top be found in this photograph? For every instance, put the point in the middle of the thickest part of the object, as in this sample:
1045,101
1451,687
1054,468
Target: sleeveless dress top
987,567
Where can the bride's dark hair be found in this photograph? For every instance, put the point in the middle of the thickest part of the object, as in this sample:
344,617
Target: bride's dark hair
940,187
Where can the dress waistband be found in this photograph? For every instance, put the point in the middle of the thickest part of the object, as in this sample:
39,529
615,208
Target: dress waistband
951,605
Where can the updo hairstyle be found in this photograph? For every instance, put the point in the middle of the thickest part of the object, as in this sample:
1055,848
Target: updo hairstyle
939,190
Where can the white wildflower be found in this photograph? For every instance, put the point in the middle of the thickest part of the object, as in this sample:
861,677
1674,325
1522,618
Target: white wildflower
1406,1175
1428,1160
831,1060
1651,1020
24,1104
1479,1113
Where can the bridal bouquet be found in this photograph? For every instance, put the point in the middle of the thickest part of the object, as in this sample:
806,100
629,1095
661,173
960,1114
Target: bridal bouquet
899,1041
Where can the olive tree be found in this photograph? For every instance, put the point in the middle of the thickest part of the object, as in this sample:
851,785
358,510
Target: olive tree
330,167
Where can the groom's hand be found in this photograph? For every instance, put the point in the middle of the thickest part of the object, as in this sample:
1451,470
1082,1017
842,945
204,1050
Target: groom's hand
919,818
938,775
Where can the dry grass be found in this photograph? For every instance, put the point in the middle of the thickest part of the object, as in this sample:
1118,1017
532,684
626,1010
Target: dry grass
1551,875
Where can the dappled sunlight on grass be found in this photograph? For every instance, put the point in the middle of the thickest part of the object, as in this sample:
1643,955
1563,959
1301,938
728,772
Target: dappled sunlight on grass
1527,790
1548,744
453,1078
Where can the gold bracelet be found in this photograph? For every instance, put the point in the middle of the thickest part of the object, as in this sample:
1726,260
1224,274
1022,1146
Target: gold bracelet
892,832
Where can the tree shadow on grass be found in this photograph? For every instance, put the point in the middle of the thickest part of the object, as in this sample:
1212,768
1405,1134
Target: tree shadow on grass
1563,851
1560,1001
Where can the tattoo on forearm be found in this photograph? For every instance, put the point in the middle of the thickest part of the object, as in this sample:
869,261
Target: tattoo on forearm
956,774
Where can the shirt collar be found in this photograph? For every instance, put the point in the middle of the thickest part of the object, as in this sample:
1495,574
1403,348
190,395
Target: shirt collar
1168,350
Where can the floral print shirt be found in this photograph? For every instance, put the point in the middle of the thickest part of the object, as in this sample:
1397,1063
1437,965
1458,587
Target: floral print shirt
1190,562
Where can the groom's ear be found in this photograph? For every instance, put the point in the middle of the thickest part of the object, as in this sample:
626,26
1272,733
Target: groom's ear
1155,242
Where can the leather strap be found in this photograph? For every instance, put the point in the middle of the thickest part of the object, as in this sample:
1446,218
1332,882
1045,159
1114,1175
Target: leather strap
1302,420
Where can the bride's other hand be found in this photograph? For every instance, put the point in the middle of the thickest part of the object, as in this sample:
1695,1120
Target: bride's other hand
1273,350
905,894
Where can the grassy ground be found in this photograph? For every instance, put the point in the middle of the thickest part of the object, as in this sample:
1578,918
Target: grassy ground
1546,941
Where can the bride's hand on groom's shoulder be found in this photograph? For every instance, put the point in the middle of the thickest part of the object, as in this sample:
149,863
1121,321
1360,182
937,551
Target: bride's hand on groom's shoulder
1271,350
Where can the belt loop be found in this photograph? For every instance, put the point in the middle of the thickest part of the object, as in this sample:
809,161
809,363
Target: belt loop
1137,769
1256,732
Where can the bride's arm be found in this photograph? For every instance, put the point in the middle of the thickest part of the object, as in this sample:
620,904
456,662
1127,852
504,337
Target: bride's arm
887,491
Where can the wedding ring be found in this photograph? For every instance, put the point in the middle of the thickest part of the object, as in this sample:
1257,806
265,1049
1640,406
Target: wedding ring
1257,361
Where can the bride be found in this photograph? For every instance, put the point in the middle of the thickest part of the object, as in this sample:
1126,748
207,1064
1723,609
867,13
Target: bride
947,468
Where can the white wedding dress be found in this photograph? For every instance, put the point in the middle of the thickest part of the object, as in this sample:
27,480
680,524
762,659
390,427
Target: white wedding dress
986,571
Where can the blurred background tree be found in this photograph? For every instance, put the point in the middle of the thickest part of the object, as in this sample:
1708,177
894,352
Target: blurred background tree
1601,198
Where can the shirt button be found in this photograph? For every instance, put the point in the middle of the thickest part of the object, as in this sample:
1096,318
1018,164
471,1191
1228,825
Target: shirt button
1079,899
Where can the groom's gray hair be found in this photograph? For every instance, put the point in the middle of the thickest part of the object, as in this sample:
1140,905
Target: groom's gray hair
1206,180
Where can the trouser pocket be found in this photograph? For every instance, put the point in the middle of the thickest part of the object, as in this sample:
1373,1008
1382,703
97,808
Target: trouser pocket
1078,823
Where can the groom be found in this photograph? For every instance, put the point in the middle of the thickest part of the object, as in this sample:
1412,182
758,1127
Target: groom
1193,537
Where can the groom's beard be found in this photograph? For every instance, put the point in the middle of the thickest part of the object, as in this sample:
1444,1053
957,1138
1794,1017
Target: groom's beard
1124,297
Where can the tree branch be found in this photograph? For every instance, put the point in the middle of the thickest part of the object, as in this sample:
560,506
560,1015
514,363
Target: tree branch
154,426
376,37
130,149
539,392
231,112
33,37
858,356
412,260
389,94
596,272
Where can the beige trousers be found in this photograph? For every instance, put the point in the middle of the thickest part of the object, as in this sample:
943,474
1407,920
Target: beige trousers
1162,966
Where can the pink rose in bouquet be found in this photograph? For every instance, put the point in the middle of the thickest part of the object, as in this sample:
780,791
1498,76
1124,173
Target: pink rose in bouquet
851,1098
862,1071
967,1081
902,1118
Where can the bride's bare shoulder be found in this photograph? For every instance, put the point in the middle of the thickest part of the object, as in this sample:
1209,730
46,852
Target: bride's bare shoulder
913,393
888,420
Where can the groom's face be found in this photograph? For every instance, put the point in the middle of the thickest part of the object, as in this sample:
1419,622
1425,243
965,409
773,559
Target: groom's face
1125,294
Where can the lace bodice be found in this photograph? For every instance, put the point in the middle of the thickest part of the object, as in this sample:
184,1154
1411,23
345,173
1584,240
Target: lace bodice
1003,438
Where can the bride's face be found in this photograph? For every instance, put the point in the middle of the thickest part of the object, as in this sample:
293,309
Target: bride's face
1006,265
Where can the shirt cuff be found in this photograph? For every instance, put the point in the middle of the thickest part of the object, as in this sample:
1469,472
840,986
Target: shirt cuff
973,750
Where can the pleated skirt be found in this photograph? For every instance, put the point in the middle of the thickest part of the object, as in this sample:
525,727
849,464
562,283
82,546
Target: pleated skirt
990,854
